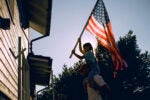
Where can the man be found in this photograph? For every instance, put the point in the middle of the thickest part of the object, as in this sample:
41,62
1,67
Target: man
96,89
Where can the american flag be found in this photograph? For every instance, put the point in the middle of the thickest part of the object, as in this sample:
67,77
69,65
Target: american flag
99,25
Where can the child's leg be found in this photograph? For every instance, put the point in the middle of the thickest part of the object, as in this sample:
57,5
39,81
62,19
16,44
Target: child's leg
92,73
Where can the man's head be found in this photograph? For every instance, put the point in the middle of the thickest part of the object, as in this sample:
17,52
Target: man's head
84,70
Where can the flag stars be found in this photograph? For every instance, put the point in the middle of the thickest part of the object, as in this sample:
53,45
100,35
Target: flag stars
100,13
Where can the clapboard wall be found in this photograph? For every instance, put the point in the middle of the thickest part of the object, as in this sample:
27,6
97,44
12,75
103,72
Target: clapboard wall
9,39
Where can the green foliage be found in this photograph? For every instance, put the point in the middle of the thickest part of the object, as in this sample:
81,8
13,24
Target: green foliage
68,85
138,63
135,77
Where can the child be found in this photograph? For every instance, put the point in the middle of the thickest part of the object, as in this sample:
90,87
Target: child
89,57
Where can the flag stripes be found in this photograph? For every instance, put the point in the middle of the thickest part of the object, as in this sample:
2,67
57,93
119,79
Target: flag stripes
99,25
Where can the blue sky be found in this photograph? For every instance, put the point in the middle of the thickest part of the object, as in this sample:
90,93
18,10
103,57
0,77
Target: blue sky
70,16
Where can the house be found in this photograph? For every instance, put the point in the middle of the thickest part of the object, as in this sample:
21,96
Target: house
19,66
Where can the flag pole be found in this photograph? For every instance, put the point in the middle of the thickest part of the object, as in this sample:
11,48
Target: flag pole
83,29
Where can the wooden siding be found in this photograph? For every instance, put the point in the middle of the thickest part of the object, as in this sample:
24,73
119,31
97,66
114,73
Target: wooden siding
9,39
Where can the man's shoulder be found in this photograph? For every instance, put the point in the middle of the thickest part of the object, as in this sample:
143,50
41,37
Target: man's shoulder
99,80
98,76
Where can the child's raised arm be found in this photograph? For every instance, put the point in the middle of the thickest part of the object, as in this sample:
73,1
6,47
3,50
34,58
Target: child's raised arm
80,46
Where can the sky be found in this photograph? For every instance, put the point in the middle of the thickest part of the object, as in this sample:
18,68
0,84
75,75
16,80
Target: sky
69,17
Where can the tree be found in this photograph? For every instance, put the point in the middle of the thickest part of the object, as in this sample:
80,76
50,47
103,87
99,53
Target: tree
69,84
137,73
135,76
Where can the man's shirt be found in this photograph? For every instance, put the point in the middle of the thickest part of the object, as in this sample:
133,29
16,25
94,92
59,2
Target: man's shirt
92,93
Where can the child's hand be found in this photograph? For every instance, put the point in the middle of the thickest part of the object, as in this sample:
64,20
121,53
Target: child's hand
73,51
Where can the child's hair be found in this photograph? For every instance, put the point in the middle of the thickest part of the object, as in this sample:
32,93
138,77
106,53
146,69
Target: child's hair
88,44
